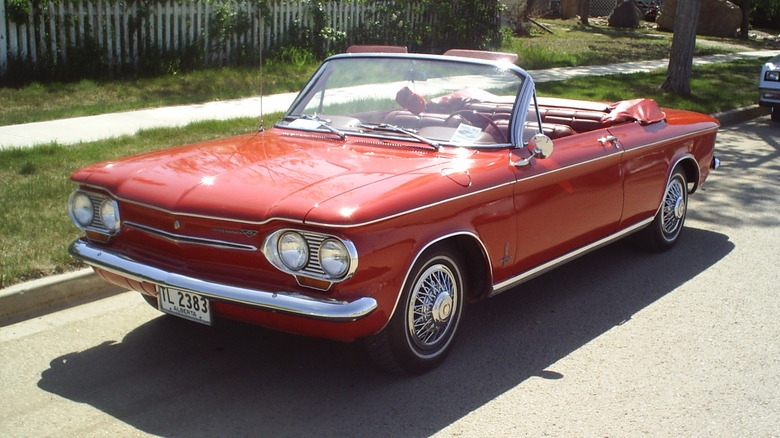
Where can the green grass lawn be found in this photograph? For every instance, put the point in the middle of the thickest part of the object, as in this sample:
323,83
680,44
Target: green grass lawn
576,45
740,78
39,102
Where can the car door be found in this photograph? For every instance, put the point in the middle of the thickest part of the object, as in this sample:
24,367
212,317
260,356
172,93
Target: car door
646,165
568,200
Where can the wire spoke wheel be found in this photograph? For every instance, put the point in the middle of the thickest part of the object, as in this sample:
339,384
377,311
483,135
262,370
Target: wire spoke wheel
664,231
674,207
420,332
432,301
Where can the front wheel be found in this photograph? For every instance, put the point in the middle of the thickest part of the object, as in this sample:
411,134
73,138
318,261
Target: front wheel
420,332
665,229
776,113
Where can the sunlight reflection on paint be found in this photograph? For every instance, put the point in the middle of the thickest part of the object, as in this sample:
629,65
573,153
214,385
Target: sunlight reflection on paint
347,211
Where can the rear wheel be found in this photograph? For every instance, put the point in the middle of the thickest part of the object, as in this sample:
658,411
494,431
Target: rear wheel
420,332
665,229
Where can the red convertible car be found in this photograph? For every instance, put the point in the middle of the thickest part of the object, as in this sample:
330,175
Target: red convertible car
396,189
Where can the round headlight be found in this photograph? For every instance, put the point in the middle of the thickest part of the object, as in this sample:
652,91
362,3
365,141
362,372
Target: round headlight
81,209
334,258
293,250
109,215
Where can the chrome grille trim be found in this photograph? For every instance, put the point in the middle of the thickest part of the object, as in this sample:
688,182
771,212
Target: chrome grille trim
313,241
192,240
97,220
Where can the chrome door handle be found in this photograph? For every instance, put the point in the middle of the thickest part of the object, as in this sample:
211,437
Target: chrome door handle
609,139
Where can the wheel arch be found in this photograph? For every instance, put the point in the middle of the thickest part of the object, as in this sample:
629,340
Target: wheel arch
690,168
471,252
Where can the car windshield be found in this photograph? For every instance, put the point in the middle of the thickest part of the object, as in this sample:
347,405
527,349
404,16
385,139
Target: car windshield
431,101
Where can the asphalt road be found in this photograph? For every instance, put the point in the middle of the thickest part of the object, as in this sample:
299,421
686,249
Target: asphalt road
619,343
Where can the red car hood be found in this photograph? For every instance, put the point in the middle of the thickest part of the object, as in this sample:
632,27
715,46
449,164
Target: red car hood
276,174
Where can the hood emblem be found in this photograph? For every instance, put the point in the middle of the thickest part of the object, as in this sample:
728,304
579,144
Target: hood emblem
176,224
246,232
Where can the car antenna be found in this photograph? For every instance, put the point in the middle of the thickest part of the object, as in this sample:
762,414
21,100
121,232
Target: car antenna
262,115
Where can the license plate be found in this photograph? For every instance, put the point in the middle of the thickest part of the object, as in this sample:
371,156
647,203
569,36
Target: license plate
184,304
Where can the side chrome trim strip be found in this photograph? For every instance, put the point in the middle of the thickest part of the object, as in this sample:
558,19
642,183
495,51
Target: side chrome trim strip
541,269
673,139
291,303
180,238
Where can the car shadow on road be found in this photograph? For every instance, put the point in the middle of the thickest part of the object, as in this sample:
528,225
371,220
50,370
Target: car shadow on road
170,377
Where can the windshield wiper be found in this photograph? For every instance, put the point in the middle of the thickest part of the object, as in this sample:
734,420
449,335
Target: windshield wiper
323,123
395,128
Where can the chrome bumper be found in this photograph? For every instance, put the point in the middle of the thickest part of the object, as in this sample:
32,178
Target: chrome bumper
291,303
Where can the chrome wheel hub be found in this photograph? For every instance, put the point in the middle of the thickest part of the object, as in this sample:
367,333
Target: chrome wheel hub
679,207
442,307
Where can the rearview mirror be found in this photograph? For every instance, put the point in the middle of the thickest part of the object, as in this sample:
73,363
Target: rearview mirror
416,75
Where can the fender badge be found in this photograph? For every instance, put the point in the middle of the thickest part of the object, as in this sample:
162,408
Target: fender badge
244,231
176,224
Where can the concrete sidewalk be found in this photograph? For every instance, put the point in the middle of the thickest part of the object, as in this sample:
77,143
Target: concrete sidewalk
38,297
92,128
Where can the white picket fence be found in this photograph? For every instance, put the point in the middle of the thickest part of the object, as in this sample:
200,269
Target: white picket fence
122,29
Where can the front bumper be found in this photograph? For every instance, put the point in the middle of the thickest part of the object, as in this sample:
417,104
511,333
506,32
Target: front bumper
769,97
291,303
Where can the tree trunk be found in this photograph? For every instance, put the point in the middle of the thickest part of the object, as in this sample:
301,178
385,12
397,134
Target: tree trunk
583,9
745,6
678,75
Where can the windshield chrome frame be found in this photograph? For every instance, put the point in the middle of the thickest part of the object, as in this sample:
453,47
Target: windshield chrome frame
523,99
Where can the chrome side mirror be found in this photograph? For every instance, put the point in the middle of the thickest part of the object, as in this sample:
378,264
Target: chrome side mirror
540,145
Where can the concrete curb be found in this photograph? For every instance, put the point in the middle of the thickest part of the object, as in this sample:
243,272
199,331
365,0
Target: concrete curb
739,115
46,295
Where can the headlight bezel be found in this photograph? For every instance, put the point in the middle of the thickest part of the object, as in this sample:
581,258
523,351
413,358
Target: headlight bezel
104,217
313,268
772,76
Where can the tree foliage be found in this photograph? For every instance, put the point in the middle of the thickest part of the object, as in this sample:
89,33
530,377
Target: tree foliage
434,26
